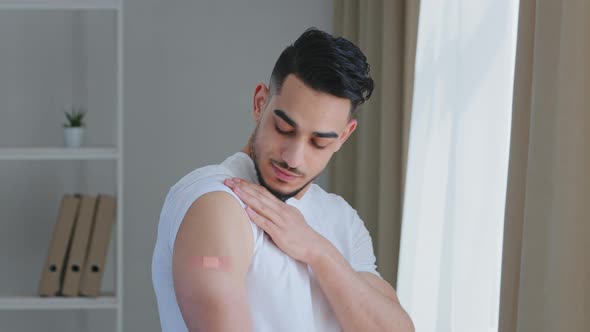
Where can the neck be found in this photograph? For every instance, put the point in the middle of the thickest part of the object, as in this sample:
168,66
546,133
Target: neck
247,150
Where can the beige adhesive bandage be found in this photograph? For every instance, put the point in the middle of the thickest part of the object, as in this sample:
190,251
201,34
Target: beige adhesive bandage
216,263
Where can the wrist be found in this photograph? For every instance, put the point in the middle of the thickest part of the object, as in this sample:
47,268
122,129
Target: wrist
318,252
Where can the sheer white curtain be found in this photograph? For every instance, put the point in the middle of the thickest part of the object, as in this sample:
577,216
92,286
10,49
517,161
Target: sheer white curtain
451,240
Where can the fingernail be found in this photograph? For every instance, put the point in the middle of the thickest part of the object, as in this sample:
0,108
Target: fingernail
230,182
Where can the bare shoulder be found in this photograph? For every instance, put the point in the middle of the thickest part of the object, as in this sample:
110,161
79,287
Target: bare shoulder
214,225
211,257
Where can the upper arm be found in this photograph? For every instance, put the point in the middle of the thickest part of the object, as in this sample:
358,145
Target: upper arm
215,225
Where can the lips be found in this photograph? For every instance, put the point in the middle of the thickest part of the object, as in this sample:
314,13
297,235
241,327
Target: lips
282,175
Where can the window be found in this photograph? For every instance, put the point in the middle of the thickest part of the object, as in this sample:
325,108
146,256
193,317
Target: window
451,244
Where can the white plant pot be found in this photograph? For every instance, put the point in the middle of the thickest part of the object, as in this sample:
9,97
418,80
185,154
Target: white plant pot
73,136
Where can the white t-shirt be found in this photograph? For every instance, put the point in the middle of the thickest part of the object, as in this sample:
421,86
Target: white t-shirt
283,293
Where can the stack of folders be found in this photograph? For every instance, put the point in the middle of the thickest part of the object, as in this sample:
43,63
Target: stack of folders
78,249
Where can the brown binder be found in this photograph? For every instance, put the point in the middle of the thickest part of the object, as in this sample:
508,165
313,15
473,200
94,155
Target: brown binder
52,275
79,248
99,243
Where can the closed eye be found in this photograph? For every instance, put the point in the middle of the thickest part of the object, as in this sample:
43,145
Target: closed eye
283,132
291,133
318,146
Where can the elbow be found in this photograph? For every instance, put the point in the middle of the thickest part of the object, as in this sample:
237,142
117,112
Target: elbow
220,317
401,323
410,327
406,324
216,311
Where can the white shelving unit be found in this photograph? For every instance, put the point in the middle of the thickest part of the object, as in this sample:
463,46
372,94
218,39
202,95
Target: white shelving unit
54,303
59,153
60,4
107,301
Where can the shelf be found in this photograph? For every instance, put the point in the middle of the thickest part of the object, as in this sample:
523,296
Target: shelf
84,67
85,153
59,4
56,303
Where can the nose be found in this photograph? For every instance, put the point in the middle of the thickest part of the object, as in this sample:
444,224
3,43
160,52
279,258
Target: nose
293,154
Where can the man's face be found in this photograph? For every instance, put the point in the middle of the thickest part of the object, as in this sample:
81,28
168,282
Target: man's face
297,132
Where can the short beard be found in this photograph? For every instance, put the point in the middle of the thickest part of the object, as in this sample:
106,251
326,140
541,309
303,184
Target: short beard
283,197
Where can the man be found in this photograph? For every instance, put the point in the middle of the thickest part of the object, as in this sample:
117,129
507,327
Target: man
252,244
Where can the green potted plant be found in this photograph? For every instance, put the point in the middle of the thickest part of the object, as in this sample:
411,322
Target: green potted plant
74,127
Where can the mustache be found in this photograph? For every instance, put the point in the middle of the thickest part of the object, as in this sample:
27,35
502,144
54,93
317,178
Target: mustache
285,166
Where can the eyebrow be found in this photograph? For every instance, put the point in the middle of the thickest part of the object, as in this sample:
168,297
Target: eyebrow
281,114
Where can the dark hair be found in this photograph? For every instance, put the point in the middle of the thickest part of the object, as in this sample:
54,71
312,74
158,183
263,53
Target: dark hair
326,64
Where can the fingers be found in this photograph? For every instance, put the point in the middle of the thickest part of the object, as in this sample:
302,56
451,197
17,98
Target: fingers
257,202
256,199
257,188
267,225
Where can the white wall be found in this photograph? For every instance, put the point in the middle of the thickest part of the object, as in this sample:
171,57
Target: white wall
190,72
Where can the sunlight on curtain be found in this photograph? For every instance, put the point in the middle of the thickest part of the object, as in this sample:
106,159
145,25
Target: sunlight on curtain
451,242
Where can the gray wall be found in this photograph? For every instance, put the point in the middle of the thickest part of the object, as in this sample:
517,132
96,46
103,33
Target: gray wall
49,60
190,72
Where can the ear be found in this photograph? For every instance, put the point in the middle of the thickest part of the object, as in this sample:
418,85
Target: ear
348,130
261,95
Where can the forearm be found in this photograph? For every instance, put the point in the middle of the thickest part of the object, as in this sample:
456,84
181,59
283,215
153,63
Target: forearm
357,305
